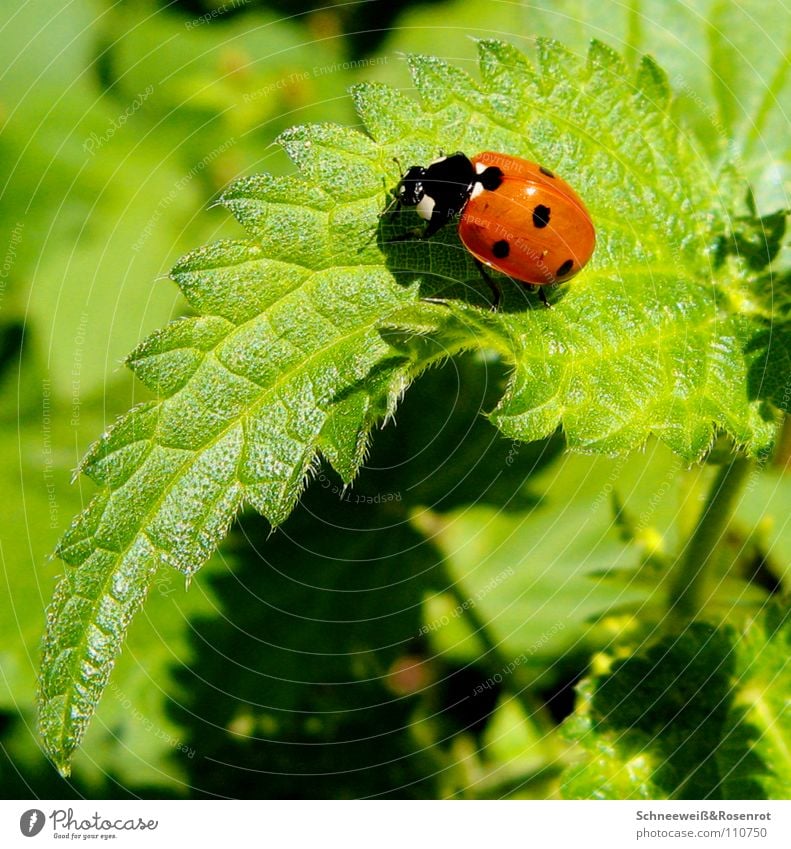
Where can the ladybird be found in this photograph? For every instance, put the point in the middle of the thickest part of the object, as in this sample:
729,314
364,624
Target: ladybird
515,216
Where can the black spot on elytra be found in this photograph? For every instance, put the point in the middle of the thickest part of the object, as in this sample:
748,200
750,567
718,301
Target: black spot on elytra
565,268
491,178
546,172
541,216
501,249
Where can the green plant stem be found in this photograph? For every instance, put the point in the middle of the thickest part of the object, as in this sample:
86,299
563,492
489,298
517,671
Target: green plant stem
782,456
688,579
534,708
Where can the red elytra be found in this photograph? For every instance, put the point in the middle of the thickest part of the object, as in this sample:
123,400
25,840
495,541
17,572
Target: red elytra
533,227
515,216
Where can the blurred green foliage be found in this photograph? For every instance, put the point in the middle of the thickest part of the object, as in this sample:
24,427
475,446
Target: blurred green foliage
421,633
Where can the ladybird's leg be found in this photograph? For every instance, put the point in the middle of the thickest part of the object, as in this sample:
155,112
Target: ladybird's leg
496,293
437,221
537,287
395,200
395,203
415,234
410,236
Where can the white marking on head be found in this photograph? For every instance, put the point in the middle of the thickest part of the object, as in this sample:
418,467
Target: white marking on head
477,188
426,207
480,167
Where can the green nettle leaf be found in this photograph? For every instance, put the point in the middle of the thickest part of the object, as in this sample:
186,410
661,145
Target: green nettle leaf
711,720
308,332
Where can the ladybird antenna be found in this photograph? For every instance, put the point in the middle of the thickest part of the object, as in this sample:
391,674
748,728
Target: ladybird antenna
394,202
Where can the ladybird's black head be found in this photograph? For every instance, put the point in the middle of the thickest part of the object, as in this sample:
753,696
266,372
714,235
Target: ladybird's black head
411,188
440,191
